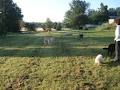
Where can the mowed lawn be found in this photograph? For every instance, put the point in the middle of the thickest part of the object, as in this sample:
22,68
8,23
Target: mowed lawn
66,64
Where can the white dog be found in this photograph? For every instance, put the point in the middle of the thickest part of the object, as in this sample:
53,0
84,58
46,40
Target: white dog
48,40
99,59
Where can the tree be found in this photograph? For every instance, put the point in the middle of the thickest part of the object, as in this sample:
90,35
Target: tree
3,31
95,17
79,21
68,19
30,26
118,11
79,6
59,26
92,16
11,15
48,24
54,25
76,16
99,16
103,12
112,12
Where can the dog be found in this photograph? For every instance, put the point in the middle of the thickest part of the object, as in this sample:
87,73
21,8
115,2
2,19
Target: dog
80,36
48,40
98,59
111,49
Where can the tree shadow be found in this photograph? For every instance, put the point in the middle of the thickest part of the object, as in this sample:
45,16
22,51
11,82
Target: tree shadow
112,64
30,45
49,52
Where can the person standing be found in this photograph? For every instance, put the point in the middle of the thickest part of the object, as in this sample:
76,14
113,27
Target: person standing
117,40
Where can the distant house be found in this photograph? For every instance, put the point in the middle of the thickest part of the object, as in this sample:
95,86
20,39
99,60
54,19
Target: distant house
23,29
112,19
39,29
90,25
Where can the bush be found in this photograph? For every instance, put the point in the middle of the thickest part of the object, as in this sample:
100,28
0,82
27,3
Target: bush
106,26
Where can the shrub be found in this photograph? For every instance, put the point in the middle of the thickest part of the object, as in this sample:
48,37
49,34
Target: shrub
106,26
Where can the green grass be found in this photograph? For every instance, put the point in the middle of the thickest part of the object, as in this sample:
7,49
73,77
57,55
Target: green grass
66,64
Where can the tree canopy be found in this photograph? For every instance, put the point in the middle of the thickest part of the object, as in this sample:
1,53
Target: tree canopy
76,16
79,14
10,16
99,16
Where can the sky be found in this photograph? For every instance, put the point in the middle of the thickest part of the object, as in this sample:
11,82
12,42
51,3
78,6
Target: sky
40,10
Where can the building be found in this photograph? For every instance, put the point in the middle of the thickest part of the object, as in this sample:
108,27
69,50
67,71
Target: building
112,19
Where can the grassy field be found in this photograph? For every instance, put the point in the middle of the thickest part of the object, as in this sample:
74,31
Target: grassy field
66,64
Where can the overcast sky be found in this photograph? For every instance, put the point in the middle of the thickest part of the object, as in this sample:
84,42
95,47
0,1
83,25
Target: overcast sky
39,10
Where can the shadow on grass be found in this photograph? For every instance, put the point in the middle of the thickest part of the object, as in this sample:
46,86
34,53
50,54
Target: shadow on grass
50,52
112,64
63,46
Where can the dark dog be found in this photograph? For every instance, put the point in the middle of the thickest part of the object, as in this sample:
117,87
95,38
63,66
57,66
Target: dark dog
80,36
111,49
